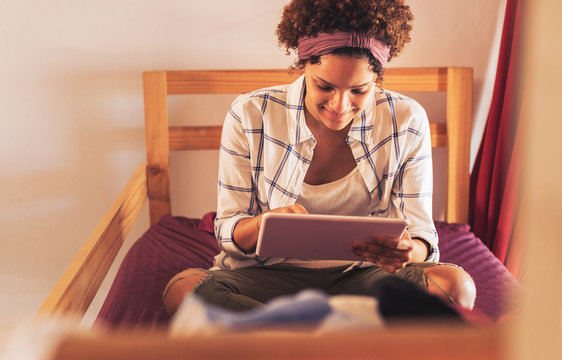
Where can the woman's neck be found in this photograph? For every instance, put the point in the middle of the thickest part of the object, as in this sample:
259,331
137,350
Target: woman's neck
332,157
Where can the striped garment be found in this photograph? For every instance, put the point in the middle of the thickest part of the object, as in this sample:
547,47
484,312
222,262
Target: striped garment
266,149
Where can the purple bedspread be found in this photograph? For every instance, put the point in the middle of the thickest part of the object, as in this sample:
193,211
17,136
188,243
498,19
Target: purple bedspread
496,289
166,248
177,243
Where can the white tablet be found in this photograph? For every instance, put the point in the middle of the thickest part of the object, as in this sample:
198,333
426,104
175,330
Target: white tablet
320,237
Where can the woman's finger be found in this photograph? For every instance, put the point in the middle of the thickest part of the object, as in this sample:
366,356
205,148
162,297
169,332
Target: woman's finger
382,251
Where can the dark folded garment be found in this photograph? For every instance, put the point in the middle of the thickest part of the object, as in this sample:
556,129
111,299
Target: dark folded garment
399,299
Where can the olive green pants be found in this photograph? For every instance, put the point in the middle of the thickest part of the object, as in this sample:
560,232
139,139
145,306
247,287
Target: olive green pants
246,288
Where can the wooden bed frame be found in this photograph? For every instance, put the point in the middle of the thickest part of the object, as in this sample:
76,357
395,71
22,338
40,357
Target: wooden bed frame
77,287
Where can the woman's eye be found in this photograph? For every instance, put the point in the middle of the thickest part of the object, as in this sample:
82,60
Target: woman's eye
324,88
359,91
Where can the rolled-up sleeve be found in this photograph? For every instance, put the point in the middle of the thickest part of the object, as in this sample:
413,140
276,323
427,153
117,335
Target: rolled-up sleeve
236,189
413,185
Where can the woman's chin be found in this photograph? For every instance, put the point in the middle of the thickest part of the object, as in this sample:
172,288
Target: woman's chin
337,124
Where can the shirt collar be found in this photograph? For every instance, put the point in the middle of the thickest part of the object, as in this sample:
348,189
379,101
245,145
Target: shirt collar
362,127
363,124
298,131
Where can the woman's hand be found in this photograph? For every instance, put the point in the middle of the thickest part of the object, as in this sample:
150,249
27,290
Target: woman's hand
293,209
247,230
391,254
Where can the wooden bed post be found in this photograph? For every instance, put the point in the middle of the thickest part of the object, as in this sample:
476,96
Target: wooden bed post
459,127
157,144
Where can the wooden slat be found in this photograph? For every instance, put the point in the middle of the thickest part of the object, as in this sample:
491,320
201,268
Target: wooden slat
78,285
428,342
415,79
195,137
438,134
208,137
459,125
225,81
157,144
242,81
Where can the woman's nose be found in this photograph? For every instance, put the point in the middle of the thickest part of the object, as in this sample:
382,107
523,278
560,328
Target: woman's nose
339,102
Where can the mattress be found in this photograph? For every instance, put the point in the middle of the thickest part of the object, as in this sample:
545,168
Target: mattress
176,243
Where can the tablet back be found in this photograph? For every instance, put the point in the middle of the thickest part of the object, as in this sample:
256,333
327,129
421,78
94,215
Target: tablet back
320,237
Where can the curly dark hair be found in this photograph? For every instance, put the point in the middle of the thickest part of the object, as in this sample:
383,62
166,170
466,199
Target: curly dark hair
388,21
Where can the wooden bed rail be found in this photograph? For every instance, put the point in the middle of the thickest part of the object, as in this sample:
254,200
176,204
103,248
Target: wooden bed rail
427,341
77,287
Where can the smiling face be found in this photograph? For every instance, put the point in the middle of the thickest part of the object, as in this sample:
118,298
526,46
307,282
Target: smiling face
338,88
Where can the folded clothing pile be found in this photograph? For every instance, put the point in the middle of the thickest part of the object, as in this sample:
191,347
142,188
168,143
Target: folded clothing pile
392,299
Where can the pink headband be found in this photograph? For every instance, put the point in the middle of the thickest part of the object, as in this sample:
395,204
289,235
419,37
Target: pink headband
324,43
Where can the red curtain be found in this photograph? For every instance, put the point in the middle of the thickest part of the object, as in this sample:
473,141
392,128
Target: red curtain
494,199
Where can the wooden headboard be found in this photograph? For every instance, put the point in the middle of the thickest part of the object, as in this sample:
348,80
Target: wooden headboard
161,139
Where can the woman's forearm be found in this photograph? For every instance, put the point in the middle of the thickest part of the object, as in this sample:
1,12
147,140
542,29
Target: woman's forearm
246,233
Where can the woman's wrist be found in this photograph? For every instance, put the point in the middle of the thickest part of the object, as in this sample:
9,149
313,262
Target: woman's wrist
258,221
423,248
245,234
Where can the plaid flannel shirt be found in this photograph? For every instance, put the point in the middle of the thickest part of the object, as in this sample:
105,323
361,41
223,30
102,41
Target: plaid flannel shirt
266,149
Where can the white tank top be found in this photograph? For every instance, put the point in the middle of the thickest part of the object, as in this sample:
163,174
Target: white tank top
346,196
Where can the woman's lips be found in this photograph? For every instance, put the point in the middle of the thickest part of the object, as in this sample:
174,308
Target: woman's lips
336,115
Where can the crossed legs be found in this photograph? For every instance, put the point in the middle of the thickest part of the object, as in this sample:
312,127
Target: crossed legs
446,281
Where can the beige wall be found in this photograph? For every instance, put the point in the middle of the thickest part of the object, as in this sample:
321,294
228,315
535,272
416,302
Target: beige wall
71,107
539,335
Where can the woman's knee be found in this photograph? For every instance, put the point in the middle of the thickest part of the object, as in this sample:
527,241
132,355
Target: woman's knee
180,286
451,283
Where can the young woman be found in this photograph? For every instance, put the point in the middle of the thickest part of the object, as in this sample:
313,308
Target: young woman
332,142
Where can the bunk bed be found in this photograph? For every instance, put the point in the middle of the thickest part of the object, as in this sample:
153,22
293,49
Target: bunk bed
173,243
